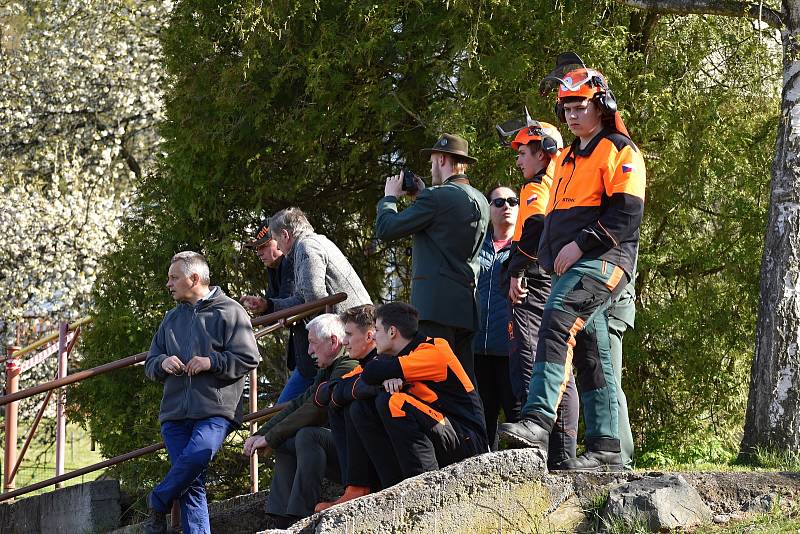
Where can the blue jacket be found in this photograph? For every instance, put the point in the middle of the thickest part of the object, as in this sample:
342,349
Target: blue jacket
492,334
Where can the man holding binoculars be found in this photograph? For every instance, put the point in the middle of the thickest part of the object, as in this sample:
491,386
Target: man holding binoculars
448,222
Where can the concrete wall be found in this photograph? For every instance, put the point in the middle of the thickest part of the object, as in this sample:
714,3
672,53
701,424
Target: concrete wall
82,509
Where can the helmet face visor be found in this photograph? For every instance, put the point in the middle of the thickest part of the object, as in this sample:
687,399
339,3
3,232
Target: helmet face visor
510,128
565,64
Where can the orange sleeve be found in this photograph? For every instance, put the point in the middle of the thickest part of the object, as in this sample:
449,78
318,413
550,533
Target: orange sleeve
356,371
626,173
424,363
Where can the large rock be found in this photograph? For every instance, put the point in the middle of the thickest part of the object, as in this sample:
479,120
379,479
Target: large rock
661,503
497,492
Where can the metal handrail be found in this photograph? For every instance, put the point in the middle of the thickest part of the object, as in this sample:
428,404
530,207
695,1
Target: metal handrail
50,337
279,318
285,322
75,377
299,309
266,413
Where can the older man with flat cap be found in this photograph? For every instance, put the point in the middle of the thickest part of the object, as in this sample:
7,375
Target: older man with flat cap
448,222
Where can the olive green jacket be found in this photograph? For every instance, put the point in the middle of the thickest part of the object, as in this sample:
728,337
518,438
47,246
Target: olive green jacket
302,411
448,224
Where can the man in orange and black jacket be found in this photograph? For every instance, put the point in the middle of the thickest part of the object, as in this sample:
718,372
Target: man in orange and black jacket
589,243
429,414
538,146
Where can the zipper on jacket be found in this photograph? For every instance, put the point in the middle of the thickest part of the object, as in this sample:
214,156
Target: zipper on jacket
556,200
489,301
187,395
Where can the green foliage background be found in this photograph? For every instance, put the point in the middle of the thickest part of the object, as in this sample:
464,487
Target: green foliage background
314,103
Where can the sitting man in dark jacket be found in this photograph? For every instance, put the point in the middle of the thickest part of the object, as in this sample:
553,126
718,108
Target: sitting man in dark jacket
304,448
202,352
429,415
358,473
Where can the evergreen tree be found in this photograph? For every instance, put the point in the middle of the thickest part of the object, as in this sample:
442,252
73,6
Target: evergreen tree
314,103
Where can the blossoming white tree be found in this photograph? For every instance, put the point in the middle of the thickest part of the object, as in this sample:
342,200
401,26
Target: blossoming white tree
80,96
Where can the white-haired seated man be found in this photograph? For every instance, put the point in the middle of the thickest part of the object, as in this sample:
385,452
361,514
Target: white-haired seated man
298,435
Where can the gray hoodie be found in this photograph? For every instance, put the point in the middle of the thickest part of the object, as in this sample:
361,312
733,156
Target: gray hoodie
216,327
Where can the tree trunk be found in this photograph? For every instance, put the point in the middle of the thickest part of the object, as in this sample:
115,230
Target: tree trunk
772,421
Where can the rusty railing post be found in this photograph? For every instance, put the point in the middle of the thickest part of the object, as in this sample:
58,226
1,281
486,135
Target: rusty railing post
12,386
253,428
61,399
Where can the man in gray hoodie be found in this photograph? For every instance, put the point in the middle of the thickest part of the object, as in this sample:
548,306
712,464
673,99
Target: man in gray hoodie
201,352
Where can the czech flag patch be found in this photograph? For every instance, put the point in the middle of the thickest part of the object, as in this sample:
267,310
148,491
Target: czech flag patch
627,167
533,198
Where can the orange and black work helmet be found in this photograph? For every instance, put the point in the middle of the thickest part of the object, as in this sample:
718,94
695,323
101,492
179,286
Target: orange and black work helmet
525,130
543,132
574,80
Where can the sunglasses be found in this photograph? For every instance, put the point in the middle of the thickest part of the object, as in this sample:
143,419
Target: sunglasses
512,201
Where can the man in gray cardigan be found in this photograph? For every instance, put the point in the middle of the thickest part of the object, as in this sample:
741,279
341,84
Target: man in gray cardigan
320,268
201,352
448,222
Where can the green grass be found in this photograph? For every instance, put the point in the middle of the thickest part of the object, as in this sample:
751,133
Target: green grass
704,467
760,460
772,523
776,460
40,459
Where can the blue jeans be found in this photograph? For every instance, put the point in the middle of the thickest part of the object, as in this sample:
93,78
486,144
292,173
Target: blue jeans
295,386
191,444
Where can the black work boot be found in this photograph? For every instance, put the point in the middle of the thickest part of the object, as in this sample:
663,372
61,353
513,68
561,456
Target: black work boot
593,461
156,523
525,433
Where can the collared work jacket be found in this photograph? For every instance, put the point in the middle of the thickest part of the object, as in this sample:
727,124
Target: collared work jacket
597,200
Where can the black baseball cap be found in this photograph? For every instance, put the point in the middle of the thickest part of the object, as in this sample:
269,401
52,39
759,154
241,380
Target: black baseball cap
262,235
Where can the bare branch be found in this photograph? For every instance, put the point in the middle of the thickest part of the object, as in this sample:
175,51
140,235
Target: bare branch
724,8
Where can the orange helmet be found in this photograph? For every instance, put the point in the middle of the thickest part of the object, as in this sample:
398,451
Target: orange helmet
575,80
581,83
540,131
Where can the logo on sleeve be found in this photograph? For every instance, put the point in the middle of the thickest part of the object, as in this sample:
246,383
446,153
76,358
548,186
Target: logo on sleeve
627,167
533,198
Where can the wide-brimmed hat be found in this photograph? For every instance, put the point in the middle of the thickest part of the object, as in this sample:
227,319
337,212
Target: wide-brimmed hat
451,144
262,235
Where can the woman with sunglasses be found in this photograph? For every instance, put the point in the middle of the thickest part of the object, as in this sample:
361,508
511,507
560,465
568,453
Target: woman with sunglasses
491,340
